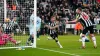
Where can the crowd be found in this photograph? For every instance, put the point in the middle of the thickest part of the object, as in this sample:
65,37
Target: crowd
63,9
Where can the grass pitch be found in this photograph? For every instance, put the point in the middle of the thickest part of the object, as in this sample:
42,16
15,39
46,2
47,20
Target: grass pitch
70,43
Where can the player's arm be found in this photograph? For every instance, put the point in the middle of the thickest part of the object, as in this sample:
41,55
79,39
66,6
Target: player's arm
56,26
75,20
47,26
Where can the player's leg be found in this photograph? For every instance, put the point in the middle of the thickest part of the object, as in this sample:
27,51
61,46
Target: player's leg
11,35
86,38
55,37
9,38
38,34
83,37
31,37
92,36
48,35
14,41
94,40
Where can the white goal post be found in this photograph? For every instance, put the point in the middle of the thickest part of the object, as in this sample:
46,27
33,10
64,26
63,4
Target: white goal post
35,15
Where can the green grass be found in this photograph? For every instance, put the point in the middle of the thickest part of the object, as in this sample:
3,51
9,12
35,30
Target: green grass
69,42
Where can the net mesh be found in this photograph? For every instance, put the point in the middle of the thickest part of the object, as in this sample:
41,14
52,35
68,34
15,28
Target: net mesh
15,26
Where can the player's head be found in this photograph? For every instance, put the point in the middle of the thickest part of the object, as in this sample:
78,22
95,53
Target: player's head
79,10
53,18
7,20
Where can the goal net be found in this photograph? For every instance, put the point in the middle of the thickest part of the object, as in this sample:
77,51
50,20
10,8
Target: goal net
15,21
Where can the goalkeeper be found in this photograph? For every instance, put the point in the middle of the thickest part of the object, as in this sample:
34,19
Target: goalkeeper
4,38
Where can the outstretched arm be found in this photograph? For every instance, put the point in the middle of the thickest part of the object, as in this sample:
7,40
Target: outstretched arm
74,21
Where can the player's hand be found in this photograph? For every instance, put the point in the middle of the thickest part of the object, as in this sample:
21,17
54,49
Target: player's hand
67,22
51,28
46,26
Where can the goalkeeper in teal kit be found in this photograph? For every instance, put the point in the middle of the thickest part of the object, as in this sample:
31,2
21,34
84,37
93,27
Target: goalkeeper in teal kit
31,28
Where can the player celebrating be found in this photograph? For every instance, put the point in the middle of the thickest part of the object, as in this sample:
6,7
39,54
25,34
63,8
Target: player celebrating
84,19
52,26
81,27
31,28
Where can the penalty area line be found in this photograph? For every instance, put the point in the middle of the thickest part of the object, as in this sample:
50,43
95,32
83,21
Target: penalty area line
58,52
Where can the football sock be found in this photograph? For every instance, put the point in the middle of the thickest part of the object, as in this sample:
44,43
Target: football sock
58,43
83,41
94,41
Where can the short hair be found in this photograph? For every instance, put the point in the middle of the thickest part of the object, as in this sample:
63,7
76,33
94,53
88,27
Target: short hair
79,8
52,16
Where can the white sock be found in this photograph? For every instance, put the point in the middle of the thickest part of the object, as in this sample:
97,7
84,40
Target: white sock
83,41
59,44
80,35
94,41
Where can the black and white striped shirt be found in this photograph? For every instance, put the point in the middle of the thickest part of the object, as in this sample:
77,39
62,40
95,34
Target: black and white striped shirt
9,26
52,24
84,19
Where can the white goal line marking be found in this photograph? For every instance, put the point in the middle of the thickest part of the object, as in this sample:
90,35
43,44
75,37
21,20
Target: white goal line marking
58,52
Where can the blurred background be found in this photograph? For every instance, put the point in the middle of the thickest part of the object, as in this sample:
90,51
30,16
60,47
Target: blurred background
20,10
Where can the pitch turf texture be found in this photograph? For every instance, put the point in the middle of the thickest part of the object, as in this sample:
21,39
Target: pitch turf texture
70,43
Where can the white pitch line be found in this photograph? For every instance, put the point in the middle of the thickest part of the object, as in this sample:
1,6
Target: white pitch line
89,53
58,51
